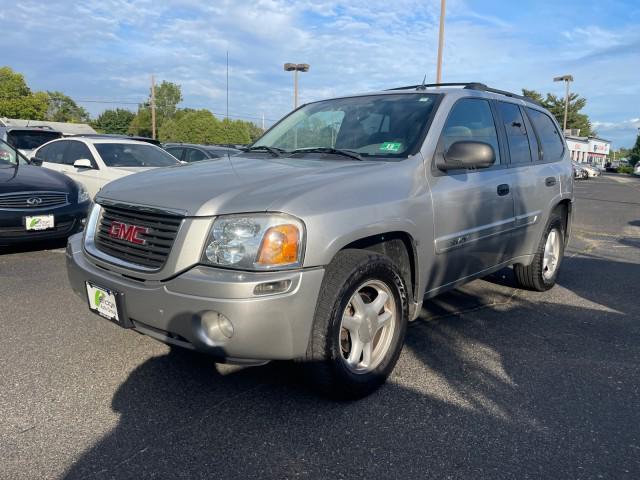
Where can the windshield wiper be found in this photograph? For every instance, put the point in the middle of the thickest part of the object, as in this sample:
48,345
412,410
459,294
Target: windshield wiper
276,152
337,151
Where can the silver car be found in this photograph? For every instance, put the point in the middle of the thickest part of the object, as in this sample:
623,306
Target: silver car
323,239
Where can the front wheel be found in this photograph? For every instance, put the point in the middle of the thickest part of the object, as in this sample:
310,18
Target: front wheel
359,326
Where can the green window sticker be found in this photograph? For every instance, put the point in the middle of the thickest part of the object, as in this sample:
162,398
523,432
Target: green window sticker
390,147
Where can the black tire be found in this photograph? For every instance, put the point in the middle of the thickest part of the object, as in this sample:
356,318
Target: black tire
325,359
531,277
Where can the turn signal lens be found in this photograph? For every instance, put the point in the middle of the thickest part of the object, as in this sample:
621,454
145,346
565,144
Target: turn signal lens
280,245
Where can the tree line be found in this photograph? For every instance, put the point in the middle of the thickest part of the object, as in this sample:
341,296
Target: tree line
174,124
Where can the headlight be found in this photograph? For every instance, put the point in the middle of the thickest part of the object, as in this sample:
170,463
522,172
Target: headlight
83,195
255,242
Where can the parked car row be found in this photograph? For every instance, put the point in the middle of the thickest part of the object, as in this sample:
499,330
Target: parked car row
37,203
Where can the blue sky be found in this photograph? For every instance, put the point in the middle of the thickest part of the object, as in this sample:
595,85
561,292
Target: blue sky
107,50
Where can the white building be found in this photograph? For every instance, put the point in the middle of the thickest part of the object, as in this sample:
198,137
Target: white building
65,128
588,149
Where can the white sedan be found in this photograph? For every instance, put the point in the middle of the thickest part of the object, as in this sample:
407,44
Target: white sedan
592,170
96,161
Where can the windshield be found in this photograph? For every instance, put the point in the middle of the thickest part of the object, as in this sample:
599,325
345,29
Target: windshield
134,155
9,156
30,139
376,125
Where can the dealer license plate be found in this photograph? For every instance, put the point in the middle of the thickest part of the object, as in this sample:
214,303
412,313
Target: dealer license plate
39,222
103,302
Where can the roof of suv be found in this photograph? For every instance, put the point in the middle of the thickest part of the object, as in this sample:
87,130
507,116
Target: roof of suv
466,89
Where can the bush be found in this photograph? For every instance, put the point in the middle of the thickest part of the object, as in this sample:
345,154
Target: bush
627,169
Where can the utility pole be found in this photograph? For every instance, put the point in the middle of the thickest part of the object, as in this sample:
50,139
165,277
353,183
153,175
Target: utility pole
153,107
263,122
443,7
566,79
227,84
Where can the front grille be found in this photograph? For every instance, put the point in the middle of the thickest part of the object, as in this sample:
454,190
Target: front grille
163,229
62,227
32,200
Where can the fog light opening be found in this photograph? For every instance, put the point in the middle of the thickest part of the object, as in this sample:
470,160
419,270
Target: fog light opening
271,288
217,327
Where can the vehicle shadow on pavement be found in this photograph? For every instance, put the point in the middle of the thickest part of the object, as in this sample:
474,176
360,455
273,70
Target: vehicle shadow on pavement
519,387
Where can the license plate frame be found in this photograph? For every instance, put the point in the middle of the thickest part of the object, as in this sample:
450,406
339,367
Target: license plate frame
39,223
115,312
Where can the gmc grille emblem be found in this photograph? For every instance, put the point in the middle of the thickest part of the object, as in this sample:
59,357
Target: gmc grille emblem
128,233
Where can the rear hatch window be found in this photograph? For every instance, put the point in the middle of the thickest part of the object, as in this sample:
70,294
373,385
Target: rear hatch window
30,139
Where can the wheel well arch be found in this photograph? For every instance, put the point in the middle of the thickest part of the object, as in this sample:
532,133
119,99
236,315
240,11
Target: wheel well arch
400,247
565,206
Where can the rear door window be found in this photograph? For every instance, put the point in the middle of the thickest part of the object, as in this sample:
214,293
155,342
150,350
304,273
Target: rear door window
53,153
194,155
516,130
552,143
175,151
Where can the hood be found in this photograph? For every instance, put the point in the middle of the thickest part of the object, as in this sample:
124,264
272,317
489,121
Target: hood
233,184
27,178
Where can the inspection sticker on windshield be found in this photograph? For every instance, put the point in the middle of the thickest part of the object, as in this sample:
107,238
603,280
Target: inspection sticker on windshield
39,222
390,147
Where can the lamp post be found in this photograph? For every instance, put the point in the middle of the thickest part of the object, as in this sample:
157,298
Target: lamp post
566,79
295,68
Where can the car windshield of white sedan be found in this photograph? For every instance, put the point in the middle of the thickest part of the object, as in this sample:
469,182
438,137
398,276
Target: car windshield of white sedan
9,156
132,155
389,125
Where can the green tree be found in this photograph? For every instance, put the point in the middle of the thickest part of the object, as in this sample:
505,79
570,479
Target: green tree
62,108
575,119
114,121
634,155
254,131
17,100
168,96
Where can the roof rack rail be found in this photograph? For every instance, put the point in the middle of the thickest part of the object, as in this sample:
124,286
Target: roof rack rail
470,86
423,86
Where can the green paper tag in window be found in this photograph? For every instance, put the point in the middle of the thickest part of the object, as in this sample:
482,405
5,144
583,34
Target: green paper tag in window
392,147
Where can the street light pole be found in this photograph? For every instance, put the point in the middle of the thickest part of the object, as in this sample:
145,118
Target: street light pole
566,79
443,4
295,68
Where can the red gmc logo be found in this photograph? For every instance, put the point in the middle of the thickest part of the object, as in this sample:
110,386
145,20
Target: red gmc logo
129,233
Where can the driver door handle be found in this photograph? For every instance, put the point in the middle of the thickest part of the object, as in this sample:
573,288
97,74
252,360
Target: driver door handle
503,189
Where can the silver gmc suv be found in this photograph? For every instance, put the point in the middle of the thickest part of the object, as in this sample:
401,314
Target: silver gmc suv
322,240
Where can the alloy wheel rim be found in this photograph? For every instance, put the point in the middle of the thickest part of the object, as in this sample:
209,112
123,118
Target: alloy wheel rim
551,256
367,327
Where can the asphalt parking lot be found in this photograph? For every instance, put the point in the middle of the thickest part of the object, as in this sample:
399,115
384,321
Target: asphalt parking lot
494,382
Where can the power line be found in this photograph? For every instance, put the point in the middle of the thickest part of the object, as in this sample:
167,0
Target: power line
116,102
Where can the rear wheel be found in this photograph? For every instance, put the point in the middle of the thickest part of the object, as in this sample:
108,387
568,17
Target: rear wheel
541,275
359,326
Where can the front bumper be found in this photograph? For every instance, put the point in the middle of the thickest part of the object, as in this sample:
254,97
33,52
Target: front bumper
68,220
267,327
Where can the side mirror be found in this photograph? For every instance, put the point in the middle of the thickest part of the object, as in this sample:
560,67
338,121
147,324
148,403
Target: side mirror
35,161
467,154
83,163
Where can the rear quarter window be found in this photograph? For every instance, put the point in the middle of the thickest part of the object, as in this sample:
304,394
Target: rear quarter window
552,145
